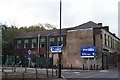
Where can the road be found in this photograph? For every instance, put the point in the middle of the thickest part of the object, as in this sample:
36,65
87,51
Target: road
111,74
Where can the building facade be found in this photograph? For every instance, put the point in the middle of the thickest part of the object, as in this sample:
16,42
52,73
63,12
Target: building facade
87,34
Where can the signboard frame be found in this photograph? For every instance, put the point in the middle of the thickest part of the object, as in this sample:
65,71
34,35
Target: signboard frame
88,51
56,49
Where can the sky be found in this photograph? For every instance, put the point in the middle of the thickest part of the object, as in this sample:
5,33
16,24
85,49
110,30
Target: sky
74,12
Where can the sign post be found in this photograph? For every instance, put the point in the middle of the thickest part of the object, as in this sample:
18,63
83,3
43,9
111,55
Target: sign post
88,63
89,52
57,49
94,63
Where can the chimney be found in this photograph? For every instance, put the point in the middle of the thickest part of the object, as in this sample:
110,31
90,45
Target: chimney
106,28
100,24
113,34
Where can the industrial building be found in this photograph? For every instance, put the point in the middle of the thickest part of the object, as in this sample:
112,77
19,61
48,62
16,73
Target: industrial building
73,38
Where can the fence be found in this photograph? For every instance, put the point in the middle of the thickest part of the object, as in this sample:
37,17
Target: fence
10,60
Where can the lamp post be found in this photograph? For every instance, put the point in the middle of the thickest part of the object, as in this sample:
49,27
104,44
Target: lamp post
59,75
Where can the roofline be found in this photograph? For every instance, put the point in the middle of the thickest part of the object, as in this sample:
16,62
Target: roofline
107,31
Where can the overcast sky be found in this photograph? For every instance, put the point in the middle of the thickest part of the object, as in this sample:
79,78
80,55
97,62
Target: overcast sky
74,12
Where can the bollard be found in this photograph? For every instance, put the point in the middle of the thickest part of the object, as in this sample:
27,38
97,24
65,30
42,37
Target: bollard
91,67
94,67
56,71
97,67
12,67
36,73
23,76
71,66
15,68
3,68
25,69
83,67
52,70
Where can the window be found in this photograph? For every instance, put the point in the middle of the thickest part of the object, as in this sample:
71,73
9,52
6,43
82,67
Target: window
18,44
52,41
108,41
33,43
111,43
59,43
100,36
42,42
26,43
105,39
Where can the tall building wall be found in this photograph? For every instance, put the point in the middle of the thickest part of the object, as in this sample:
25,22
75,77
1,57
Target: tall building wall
74,40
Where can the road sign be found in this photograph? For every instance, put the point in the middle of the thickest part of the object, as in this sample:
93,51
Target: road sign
56,49
29,52
88,51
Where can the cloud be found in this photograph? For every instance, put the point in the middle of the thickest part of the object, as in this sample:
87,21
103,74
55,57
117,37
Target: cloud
74,12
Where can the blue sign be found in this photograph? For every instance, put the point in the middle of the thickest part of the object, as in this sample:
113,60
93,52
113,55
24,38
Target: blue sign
29,52
88,51
56,49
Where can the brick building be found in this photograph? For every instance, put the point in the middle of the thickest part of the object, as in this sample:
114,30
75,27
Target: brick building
87,34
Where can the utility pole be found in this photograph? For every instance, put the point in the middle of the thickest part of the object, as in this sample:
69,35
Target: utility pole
59,75
47,55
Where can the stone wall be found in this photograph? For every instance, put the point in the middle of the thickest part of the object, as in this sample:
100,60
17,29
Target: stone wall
71,52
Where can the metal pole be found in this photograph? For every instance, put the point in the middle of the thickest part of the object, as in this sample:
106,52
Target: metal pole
82,64
52,64
59,75
47,58
95,63
88,64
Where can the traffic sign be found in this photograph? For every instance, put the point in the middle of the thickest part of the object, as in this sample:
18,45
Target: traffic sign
56,49
29,52
88,51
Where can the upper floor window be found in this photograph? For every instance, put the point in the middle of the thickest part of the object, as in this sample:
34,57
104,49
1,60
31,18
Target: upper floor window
19,44
52,41
42,42
59,43
26,43
105,39
109,41
34,43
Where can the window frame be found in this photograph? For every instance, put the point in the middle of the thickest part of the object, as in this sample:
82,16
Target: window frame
19,44
33,43
26,44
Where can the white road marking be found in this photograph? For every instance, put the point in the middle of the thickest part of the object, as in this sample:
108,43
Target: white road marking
104,71
76,72
63,77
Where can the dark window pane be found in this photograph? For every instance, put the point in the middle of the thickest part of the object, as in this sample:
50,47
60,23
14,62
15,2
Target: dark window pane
18,44
34,43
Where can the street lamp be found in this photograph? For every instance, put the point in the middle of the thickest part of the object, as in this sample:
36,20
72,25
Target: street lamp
59,75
